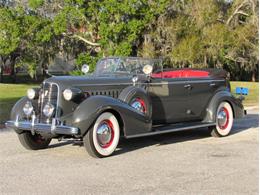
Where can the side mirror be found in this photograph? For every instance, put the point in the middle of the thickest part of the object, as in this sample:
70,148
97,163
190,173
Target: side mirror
147,69
85,68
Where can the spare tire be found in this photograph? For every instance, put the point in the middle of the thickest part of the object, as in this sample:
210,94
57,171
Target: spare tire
137,98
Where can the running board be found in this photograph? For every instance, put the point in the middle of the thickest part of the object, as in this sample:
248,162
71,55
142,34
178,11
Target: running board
170,129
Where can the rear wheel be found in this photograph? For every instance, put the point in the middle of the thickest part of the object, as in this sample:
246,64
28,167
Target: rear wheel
224,120
102,139
33,142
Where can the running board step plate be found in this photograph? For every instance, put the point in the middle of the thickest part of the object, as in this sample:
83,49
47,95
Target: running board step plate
172,128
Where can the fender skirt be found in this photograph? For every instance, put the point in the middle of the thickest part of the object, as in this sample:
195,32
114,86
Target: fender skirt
236,104
131,121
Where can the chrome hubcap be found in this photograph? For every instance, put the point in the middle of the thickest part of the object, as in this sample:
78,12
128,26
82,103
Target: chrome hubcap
139,105
223,118
105,133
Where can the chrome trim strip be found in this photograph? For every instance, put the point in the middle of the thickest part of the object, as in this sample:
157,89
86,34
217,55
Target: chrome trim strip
104,84
170,130
164,82
42,128
187,81
58,98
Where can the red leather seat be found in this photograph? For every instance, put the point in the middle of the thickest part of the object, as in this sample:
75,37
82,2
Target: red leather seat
181,74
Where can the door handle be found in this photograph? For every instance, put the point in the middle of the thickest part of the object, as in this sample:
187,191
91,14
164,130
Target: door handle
212,84
188,86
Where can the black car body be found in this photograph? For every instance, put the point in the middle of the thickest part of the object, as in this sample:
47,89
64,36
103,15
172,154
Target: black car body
160,101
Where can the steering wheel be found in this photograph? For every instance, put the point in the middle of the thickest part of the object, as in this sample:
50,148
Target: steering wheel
121,68
139,70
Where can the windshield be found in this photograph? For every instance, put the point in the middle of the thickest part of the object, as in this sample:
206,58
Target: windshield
130,65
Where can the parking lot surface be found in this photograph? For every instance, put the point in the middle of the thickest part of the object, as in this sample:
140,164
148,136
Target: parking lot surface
189,162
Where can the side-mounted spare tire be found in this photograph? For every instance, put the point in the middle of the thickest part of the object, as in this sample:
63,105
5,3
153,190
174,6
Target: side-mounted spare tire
137,98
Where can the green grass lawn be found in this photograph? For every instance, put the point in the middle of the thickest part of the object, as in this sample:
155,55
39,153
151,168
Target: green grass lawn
10,93
253,87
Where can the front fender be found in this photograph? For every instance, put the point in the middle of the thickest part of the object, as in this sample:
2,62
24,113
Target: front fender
237,106
87,112
17,110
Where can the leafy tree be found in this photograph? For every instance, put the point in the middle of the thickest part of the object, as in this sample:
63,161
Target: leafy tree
10,37
197,33
187,51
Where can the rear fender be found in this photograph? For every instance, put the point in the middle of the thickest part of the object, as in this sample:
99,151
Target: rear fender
237,107
87,112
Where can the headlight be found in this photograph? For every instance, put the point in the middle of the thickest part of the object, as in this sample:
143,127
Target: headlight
67,94
73,94
48,110
28,108
32,93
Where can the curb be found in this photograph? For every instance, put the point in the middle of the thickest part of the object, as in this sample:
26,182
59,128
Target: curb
251,107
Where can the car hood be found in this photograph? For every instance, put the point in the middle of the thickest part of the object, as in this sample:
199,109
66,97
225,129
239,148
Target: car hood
69,81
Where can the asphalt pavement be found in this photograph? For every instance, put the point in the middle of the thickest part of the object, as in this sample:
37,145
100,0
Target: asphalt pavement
189,162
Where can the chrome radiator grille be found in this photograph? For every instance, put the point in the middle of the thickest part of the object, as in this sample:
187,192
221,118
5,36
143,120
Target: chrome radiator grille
49,94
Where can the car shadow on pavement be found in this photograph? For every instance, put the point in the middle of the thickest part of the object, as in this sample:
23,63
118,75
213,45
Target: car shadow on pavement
243,124
128,145
240,125
62,143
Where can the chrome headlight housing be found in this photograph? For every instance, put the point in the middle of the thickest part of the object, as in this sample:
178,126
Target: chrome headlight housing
48,110
68,94
28,108
32,93
74,94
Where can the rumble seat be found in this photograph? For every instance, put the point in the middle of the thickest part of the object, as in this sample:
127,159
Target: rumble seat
187,73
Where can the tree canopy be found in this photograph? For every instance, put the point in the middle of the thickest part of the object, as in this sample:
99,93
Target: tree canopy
190,33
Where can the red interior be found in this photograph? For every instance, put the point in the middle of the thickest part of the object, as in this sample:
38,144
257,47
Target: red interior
187,73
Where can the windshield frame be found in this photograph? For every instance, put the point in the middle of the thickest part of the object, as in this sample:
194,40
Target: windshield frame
126,65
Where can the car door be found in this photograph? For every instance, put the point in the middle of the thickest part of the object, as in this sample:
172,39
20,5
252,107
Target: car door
200,92
169,97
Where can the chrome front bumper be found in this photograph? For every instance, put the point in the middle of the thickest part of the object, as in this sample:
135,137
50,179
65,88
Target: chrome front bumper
42,128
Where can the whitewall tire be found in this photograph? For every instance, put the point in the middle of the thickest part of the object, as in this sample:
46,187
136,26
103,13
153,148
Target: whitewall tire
102,139
224,120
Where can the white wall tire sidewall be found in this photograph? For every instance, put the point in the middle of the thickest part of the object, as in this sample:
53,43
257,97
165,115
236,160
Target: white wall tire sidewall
226,131
109,150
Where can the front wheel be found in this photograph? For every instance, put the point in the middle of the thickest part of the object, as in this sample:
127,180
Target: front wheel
224,120
102,139
33,142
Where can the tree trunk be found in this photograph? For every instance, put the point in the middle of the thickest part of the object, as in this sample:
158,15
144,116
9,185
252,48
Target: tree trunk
3,61
1,73
13,71
205,61
1,69
253,78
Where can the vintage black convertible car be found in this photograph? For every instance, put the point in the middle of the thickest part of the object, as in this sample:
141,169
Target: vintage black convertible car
128,97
